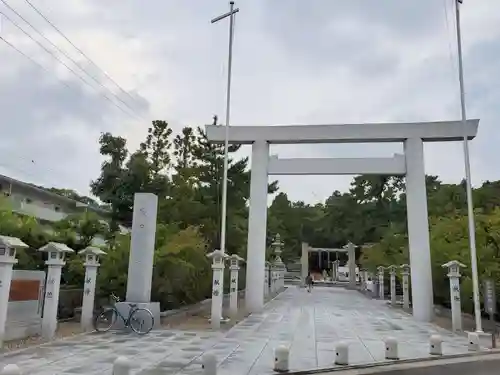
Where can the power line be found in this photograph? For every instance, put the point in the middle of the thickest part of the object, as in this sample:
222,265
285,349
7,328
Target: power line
31,59
67,67
66,55
78,49
450,50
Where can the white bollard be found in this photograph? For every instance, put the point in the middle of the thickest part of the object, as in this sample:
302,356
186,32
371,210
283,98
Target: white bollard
281,356
342,354
473,338
11,370
122,366
436,345
391,348
209,364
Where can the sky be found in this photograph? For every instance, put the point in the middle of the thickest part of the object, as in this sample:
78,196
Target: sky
294,62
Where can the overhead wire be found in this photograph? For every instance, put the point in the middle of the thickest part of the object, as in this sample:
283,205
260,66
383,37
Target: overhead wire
65,65
450,49
78,49
32,60
66,55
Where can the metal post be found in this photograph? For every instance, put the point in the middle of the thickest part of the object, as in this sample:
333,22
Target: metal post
470,206
230,14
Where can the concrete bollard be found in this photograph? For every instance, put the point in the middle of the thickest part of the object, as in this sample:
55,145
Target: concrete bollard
281,357
209,364
11,370
342,354
122,366
473,338
436,345
391,348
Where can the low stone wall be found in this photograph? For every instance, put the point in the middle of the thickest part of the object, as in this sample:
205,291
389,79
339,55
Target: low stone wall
473,364
24,311
197,307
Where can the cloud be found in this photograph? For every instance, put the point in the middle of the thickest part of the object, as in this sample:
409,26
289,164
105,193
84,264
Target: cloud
318,61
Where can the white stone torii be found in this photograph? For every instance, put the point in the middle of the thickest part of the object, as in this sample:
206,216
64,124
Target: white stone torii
411,134
351,262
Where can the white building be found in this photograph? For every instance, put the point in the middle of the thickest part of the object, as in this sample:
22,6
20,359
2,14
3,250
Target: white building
46,206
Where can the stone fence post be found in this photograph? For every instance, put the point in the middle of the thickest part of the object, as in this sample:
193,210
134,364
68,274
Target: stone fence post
218,258
8,248
233,294
405,272
381,282
91,265
56,253
456,307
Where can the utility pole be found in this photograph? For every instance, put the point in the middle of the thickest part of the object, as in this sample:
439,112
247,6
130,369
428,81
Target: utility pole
470,205
231,15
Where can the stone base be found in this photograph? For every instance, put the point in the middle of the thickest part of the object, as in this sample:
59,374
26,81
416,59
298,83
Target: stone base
124,308
22,329
486,340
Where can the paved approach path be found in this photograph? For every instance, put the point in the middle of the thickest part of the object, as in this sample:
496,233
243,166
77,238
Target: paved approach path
310,323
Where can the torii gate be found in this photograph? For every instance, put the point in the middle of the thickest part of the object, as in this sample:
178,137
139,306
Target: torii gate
350,249
411,134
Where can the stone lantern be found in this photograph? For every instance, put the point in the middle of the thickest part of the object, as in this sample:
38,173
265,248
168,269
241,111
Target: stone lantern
456,307
335,270
234,266
8,249
278,265
91,264
56,253
266,279
218,257
405,272
351,262
392,272
381,293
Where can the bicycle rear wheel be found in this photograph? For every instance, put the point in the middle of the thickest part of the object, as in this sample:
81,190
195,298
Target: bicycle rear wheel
141,321
105,320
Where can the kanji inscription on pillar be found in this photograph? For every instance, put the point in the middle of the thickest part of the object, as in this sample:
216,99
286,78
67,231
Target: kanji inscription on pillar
216,288
456,293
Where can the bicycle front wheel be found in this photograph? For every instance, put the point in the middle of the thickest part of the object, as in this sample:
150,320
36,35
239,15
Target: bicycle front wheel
105,320
142,321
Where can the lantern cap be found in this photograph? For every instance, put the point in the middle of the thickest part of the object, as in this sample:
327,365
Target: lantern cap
452,263
236,257
277,240
12,242
348,245
92,250
56,247
217,254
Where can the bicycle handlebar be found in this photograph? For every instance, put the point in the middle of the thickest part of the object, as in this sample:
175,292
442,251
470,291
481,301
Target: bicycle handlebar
115,298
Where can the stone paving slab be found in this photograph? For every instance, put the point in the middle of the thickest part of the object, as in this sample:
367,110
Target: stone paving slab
310,324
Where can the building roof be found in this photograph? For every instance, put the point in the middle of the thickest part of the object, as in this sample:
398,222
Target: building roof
52,195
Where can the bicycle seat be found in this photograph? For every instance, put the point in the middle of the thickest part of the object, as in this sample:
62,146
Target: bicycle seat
132,305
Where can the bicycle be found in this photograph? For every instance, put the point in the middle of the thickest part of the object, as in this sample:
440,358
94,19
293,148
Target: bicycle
137,317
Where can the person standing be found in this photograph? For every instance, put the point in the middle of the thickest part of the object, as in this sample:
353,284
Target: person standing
309,282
